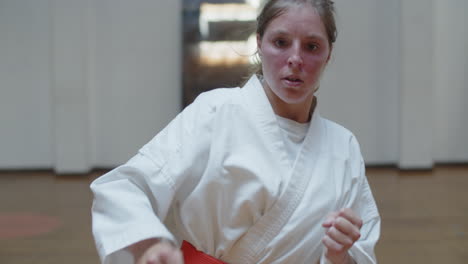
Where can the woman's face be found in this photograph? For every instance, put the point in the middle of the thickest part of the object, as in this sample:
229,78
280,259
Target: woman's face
294,51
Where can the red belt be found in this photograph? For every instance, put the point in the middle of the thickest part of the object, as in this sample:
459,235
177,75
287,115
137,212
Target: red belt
193,256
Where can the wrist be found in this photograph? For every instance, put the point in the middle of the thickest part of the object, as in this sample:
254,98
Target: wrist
348,259
139,248
344,258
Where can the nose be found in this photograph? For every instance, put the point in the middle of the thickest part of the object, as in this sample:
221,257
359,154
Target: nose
295,57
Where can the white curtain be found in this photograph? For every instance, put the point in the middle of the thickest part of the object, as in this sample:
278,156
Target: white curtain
398,80
85,83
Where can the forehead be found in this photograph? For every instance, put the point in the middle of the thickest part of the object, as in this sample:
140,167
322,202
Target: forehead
298,19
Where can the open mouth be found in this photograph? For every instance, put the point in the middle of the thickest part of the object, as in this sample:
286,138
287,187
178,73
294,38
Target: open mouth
293,81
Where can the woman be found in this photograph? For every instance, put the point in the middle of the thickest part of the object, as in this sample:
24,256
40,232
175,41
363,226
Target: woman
252,174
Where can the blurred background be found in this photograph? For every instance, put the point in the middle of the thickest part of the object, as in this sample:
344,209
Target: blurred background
84,84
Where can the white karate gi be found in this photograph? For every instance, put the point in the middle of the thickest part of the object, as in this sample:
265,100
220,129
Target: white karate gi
222,167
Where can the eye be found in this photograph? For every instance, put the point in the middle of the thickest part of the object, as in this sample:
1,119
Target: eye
280,43
312,46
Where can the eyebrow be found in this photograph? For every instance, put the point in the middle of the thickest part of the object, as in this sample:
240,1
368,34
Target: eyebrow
284,32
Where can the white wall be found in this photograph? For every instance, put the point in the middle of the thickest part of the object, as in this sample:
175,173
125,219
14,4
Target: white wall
360,89
25,98
84,84
398,80
451,81
416,84
137,73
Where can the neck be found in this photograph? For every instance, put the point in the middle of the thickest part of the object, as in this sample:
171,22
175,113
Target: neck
301,112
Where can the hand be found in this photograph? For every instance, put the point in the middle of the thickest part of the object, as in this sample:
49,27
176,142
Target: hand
155,251
343,230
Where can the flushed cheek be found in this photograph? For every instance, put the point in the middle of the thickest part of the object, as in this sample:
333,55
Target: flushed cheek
274,56
275,69
316,59
314,69
276,62
315,65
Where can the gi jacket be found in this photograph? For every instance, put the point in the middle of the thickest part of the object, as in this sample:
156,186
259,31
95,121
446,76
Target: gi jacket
221,167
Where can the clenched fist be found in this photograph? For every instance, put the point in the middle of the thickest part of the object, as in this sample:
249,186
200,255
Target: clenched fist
342,231
156,251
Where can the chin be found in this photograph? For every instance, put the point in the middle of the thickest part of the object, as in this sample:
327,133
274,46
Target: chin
294,98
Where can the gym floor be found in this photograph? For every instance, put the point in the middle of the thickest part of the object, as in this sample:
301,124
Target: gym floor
45,218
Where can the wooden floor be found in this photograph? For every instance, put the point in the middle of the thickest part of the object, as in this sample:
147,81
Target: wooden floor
424,213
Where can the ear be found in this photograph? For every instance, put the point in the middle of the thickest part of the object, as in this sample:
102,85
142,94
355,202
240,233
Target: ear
259,45
330,53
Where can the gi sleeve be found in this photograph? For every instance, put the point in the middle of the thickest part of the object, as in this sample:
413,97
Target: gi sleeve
358,197
131,202
364,205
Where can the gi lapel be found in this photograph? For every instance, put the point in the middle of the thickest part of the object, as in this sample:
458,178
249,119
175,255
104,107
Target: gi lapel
250,247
